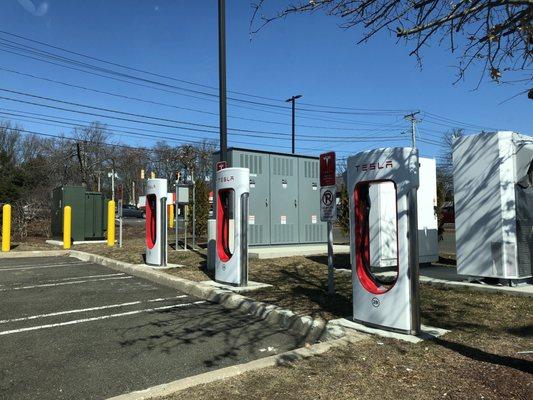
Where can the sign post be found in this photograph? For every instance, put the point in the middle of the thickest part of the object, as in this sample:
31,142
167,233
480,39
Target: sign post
328,207
176,204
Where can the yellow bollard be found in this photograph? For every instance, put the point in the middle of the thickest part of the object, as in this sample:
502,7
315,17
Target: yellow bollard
6,227
111,223
152,175
67,227
171,215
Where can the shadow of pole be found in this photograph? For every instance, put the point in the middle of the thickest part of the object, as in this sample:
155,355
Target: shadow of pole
483,356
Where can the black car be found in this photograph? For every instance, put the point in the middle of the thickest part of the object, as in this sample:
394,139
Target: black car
131,211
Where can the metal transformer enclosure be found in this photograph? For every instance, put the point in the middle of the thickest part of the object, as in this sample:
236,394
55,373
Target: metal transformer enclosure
89,212
231,199
492,175
156,222
428,224
383,231
284,197
393,304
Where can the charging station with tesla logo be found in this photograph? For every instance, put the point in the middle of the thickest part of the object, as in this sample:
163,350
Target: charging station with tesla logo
385,298
156,222
232,196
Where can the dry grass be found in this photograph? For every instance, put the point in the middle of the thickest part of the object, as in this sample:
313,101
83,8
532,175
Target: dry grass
478,360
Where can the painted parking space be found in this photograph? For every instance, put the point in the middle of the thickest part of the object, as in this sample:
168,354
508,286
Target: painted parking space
86,331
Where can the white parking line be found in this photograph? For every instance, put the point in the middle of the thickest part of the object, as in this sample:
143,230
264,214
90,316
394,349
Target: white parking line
73,278
79,321
64,283
33,266
131,303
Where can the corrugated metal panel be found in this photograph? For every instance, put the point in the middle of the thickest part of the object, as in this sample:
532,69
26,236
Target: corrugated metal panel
282,234
314,233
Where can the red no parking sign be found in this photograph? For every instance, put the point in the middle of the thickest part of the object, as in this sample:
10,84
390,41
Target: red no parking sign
328,189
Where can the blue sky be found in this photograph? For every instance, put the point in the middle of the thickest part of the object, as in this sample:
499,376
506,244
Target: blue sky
308,55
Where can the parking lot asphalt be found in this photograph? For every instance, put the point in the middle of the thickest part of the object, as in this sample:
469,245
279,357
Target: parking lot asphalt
76,330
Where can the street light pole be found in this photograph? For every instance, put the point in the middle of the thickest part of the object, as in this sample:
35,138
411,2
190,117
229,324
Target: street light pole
292,100
222,79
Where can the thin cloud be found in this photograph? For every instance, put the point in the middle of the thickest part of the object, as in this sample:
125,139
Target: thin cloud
38,11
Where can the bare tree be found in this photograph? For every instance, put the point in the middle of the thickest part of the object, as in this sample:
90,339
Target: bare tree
204,160
498,34
92,152
445,165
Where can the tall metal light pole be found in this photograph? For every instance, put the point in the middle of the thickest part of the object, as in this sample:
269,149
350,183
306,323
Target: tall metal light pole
222,79
292,100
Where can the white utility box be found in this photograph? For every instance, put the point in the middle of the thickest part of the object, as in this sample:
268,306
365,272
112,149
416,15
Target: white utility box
383,230
493,184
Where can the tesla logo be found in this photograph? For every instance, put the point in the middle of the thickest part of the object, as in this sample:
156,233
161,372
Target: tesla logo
374,166
226,179
375,301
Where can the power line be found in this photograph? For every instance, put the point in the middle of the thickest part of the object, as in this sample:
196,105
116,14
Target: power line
198,127
114,94
135,69
186,81
332,140
44,53
336,120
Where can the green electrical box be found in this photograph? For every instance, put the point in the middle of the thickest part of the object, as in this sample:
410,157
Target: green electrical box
89,213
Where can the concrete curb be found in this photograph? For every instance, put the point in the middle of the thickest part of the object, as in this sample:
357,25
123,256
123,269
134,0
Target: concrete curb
477,287
312,330
34,253
228,372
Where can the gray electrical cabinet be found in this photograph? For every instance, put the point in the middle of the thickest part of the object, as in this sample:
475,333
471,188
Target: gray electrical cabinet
284,197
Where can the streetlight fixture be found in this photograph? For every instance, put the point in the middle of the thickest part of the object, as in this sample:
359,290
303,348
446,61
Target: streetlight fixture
293,101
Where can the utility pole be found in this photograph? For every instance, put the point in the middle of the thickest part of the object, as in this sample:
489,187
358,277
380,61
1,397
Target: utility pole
412,118
222,79
292,100
98,173
193,210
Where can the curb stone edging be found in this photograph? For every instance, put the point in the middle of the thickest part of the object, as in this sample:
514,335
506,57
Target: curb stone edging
34,253
286,358
313,330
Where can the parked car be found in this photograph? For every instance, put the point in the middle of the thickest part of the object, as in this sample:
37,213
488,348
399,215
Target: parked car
131,211
448,212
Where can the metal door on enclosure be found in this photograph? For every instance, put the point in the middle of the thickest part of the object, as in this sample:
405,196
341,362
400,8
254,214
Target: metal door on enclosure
259,201
312,230
284,200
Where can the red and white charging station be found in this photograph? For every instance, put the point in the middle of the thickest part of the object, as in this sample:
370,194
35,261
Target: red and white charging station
232,193
156,222
385,298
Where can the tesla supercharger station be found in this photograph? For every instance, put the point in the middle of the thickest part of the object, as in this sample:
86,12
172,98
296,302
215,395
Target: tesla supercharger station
232,192
385,298
156,222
